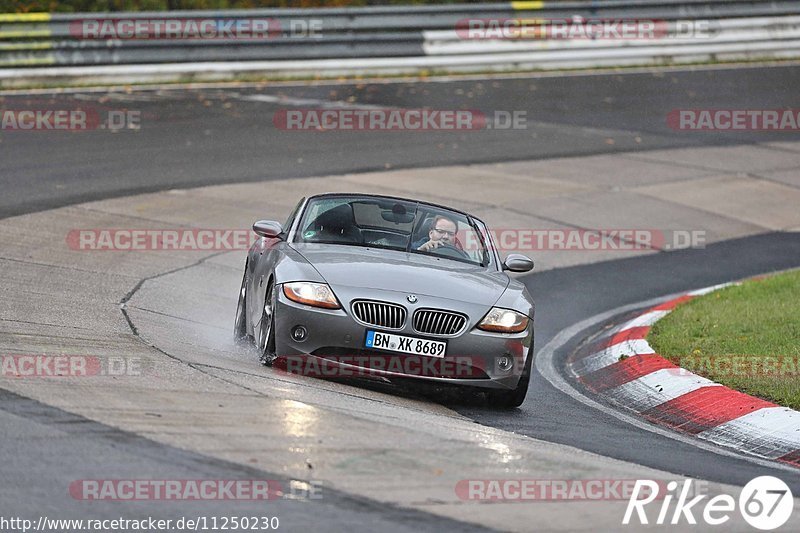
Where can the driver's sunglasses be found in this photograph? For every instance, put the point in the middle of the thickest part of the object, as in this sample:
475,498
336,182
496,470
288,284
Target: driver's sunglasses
445,232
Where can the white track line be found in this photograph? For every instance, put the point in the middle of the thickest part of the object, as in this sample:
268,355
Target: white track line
300,102
706,290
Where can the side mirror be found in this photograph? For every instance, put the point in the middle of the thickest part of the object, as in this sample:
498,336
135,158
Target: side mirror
268,228
518,263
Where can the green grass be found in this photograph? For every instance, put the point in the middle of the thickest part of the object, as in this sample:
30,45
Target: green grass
746,337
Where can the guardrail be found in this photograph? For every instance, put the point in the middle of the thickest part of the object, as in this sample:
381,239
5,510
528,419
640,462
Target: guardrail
392,39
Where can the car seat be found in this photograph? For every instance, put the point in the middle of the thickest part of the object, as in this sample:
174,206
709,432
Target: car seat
337,224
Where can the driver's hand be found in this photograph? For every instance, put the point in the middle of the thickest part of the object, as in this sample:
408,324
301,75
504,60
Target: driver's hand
429,246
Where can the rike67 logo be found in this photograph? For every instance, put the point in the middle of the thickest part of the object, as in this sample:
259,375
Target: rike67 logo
765,503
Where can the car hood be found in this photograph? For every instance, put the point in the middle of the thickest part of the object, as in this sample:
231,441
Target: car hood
371,268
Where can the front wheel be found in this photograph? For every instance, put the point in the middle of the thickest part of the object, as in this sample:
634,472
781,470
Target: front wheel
240,324
266,328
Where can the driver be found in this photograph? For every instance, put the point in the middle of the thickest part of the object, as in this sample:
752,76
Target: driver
443,231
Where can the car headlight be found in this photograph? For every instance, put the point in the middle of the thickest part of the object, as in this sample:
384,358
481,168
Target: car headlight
503,321
315,294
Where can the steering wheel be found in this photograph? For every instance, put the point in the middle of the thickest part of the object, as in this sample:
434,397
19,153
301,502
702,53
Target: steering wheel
450,250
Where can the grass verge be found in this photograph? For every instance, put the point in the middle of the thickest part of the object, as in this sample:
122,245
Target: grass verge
746,337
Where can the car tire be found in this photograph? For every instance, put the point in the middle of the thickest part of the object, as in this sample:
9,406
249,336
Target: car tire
266,328
240,324
509,399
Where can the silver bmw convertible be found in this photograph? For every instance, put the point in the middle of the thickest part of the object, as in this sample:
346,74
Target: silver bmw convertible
375,286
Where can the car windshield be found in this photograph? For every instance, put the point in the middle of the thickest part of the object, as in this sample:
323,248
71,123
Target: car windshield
393,224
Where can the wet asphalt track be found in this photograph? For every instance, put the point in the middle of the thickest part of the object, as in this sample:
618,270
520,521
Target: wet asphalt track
566,296
218,136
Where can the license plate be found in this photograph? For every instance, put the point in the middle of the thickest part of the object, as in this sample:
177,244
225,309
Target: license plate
403,344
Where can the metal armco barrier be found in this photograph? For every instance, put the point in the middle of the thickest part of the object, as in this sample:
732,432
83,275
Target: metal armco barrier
386,39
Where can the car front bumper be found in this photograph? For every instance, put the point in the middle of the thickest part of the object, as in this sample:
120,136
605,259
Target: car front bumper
334,346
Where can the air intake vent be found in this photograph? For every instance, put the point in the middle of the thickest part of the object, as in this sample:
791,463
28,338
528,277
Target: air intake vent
380,314
437,322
